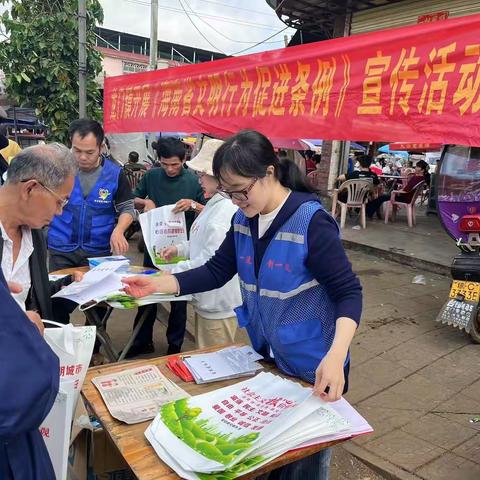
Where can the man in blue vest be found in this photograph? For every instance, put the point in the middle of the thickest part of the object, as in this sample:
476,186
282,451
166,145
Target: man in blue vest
88,226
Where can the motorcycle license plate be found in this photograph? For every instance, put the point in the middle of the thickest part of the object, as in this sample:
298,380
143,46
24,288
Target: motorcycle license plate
469,290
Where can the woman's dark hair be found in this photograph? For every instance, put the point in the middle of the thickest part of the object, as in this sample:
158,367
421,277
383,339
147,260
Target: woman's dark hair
317,158
249,154
425,167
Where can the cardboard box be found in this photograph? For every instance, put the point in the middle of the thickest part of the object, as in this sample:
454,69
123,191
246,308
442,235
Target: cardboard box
92,454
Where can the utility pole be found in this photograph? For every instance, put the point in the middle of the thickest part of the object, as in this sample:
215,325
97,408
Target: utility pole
153,53
153,34
82,59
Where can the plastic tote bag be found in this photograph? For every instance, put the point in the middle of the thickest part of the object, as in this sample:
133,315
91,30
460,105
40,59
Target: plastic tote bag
74,347
56,427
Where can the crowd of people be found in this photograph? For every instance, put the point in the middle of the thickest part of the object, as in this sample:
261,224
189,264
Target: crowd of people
366,169
263,254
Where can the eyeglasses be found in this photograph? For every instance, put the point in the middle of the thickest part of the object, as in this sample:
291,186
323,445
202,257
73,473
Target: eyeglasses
240,195
62,202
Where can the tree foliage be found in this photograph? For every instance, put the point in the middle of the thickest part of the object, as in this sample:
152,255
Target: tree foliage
40,59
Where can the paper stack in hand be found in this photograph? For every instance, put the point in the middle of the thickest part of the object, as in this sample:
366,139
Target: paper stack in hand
231,431
231,362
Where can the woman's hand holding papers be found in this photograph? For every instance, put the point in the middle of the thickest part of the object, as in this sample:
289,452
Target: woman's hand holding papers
143,285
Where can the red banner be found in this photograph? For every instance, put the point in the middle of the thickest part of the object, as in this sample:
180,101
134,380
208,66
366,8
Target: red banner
416,84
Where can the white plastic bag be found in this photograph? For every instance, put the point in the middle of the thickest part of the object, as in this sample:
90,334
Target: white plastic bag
56,428
74,347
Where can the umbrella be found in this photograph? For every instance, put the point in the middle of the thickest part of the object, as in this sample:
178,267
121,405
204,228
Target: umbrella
292,143
398,153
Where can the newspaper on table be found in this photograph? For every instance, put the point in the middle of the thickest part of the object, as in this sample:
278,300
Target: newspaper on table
231,362
234,430
135,395
162,228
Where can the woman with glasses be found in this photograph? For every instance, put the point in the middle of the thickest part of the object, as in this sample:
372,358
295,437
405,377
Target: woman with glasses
301,301
215,321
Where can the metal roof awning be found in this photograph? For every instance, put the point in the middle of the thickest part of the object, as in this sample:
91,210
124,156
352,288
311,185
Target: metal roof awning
318,16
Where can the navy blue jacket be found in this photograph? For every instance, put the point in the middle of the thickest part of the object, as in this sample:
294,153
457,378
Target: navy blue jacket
29,378
327,260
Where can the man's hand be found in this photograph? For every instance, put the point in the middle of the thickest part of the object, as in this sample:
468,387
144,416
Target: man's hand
77,276
149,205
183,205
118,242
36,320
14,287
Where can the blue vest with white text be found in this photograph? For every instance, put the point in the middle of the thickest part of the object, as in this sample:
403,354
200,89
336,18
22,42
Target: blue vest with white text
87,222
285,309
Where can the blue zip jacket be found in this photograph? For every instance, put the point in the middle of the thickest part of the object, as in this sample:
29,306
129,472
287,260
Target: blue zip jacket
87,223
29,378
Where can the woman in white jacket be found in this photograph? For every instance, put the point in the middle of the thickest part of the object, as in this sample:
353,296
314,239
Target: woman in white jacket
215,320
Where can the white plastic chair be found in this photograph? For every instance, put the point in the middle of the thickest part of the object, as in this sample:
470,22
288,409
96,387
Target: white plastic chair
357,197
392,203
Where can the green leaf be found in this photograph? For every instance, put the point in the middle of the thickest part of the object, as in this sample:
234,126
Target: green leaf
25,77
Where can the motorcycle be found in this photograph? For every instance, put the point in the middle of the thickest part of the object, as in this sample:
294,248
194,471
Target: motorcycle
458,205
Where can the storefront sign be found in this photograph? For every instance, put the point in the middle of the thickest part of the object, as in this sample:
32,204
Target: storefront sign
424,147
433,17
419,83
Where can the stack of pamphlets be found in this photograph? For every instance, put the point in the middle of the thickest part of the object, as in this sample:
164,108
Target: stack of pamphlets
135,395
231,362
103,283
229,432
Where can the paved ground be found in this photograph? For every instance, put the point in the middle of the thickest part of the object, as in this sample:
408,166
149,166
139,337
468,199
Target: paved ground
417,382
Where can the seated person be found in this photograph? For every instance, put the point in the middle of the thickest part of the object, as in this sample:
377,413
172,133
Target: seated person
133,165
40,179
364,173
406,194
408,169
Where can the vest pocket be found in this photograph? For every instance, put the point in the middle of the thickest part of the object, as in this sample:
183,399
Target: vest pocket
243,318
302,345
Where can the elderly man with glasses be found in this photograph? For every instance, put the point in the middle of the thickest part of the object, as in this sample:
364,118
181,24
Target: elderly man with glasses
40,180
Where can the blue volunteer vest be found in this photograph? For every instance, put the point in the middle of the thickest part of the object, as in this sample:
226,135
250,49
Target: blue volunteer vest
285,308
87,223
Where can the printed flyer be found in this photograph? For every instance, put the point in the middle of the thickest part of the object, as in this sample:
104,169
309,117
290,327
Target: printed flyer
231,431
162,228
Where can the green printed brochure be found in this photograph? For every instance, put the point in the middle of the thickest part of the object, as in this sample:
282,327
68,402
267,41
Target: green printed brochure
162,228
228,432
